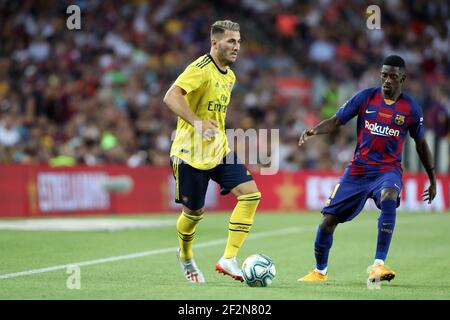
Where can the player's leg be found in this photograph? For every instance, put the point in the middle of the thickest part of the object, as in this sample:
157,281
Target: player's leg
387,200
345,203
386,223
322,246
324,241
193,199
236,178
186,225
241,220
239,226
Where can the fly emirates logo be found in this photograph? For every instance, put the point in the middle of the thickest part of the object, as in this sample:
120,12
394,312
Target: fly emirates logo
378,130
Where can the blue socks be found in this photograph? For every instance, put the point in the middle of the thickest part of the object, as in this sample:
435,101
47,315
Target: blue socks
322,247
386,224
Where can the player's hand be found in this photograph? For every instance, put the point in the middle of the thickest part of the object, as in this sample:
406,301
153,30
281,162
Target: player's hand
429,194
209,129
305,136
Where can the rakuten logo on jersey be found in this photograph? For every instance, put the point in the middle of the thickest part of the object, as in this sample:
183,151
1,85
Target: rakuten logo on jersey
378,130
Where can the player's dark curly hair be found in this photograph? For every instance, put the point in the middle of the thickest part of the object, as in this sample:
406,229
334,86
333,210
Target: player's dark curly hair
395,61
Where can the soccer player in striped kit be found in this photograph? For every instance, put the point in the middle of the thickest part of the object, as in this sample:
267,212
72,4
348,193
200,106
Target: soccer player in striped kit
384,117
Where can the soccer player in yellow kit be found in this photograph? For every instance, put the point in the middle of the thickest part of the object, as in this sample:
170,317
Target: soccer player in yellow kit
200,97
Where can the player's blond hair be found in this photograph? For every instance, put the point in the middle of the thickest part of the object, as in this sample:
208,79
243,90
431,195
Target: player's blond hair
219,27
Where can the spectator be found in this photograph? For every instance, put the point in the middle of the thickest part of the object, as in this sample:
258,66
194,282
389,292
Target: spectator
94,96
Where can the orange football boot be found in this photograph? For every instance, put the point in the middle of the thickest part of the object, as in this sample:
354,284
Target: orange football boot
313,276
380,272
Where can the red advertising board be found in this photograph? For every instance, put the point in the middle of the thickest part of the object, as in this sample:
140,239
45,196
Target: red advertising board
44,191
294,89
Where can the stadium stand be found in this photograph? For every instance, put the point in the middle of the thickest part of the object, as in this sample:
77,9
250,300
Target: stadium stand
94,96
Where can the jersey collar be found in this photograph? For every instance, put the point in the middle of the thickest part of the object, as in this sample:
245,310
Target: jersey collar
384,102
220,70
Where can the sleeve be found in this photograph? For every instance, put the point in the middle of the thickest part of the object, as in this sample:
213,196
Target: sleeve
191,78
416,128
351,107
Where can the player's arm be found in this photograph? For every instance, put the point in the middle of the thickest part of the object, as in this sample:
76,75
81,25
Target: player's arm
324,127
175,101
349,110
427,160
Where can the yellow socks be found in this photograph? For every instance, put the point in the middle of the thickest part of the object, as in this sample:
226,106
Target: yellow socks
240,222
186,231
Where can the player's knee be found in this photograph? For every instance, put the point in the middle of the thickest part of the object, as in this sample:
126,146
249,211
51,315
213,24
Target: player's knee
388,194
254,193
328,228
329,223
245,188
250,196
190,212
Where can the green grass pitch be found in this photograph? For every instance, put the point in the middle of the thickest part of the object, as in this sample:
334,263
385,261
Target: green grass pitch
419,254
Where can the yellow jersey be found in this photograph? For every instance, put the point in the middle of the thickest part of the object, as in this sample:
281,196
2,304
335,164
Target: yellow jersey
208,93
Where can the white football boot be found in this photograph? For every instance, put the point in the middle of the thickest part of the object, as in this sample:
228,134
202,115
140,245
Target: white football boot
230,268
190,270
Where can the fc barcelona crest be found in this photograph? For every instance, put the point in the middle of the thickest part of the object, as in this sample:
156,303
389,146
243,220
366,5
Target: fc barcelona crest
399,119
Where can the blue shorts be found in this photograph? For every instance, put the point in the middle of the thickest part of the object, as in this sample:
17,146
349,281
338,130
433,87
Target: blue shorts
191,183
351,193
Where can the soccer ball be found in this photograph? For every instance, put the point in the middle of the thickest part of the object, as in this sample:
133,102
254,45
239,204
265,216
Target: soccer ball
258,270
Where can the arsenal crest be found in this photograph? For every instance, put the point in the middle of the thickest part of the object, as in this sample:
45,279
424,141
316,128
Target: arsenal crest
399,119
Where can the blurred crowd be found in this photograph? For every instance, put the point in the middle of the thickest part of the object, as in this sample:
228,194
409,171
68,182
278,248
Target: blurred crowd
94,95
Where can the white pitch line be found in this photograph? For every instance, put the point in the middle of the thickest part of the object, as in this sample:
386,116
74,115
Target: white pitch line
149,253
168,250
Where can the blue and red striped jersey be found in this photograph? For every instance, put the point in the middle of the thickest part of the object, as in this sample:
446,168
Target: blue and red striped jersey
381,129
